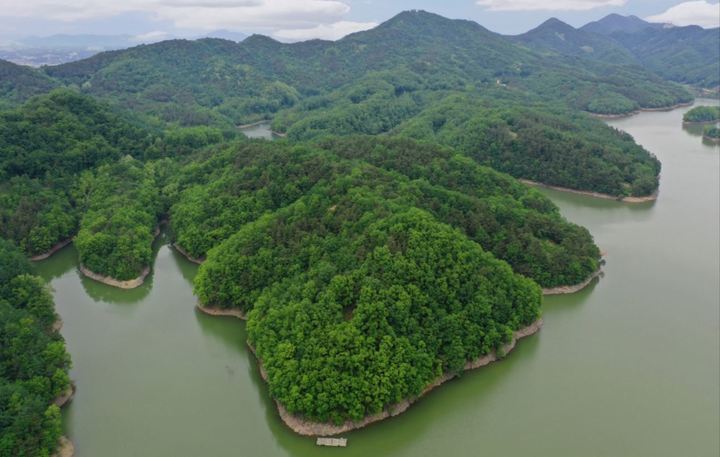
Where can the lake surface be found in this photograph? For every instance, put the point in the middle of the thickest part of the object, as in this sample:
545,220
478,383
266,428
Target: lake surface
260,130
628,367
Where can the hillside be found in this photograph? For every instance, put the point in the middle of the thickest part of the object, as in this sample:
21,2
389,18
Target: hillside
689,55
210,80
18,83
555,36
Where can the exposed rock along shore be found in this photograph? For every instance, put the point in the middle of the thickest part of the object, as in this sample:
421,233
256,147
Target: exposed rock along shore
637,111
52,250
573,288
110,281
647,198
310,428
185,254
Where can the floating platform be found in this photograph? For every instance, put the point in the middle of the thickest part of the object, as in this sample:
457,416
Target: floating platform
334,442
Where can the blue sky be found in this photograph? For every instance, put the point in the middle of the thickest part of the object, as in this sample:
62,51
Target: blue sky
303,19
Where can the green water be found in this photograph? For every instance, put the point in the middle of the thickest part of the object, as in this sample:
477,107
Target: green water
263,131
627,367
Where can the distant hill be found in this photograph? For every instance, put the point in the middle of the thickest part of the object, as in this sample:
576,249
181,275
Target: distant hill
204,80
689,55
556,36
616,23
18,83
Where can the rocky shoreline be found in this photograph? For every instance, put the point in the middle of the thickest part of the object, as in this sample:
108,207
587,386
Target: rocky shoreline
222,312
185,254
647,198
110,281
52,250
126,284
65,448
306,427
560,290
637,111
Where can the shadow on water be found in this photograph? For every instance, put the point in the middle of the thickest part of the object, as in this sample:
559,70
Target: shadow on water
693,129
63,261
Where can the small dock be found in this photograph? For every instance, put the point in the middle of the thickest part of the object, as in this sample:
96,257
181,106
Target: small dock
334,442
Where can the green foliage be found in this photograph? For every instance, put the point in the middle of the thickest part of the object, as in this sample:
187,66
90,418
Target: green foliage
358,303
711,131
702,114
18,83
122,203
541,143
64,132
33,362
36,216
250,179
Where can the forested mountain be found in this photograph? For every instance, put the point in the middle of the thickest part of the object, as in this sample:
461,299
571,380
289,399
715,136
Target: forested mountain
689,54
617,23
205,80
555,36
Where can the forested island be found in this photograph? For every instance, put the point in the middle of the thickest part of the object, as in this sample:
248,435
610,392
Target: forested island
712,133
382,246
702,115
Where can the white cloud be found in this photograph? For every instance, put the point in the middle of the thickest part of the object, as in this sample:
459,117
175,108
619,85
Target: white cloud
702,13
547,5
333,31
197,14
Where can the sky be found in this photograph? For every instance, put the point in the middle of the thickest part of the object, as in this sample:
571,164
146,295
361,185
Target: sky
292,20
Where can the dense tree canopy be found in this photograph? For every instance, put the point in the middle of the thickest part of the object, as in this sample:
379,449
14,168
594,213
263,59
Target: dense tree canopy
122,205
703,114
33,362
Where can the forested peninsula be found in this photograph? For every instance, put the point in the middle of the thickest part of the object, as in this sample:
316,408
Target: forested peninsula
34,365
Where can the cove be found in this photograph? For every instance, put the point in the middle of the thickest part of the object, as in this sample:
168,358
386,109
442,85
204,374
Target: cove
628,366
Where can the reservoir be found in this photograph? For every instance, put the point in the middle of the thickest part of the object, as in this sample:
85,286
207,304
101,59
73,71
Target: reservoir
629,366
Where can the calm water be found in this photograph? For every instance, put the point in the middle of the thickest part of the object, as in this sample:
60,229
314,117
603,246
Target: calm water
628,367
262,130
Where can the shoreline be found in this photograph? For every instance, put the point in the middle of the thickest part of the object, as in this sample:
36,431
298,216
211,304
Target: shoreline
227,312
562,290
65,447
640,110
185,254
713,140
252,124
110,281
279,134
52,250
126,284
309,428
587,193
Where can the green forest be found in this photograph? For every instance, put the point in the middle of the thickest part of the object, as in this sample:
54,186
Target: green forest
711,132
33,362
384,241
703,114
